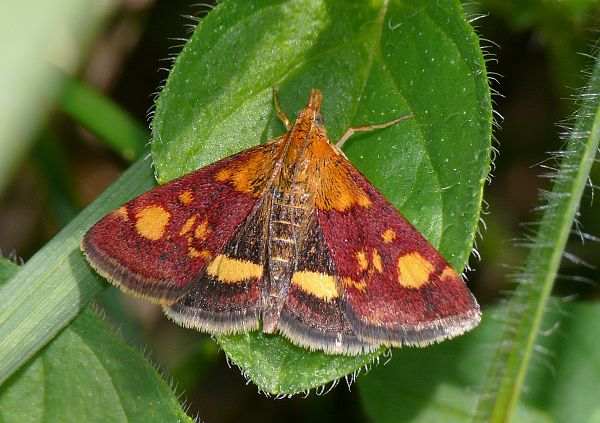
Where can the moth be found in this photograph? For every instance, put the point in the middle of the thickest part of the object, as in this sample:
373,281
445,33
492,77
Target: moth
287,237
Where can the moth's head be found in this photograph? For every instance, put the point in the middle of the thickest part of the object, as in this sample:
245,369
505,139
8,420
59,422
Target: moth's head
311,111
314,101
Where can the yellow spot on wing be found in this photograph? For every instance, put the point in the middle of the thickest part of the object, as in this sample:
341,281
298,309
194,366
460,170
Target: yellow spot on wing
449,273
250,173
151,222
122,213
360,285
364,201
187,226
230,270
413,270
205,254
318,284
223,175
377,261
389,235
363,263
186,197
343,200
202,231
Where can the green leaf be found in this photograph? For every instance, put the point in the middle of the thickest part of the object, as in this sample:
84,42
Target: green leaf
86,374
57,282
565,381
278,367
507,375
439,383
374,61
442,382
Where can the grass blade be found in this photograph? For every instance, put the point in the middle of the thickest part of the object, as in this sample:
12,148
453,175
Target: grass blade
57,282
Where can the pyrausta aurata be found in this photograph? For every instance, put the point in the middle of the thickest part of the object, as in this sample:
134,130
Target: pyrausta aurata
291,235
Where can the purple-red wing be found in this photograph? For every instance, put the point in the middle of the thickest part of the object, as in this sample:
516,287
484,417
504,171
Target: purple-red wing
158,243
369,247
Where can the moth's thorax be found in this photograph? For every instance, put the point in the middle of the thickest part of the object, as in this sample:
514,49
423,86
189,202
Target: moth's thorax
304,149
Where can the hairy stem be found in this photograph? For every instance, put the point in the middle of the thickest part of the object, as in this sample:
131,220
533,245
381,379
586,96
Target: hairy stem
504,382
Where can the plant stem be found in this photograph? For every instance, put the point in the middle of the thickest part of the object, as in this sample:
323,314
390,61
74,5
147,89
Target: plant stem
504,383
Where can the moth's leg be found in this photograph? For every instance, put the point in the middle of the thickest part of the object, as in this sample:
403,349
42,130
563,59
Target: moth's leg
280,112
367,128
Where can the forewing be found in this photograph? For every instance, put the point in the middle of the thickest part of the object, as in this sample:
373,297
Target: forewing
157,244
397,288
